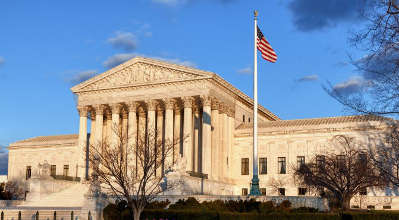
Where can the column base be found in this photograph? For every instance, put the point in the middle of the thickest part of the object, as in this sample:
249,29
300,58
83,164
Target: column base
255,186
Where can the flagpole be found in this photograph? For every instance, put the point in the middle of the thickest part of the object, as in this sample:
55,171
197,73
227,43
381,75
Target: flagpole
255,180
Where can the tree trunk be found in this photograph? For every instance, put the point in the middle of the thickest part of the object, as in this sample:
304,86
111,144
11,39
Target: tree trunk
136,213
346,203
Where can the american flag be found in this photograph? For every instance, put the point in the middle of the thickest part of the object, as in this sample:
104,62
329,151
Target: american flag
265,48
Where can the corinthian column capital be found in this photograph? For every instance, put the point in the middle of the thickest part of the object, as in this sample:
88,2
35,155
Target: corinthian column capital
215,104
169,103
116,108
223,108
99,109
188,102
230,112
151,105
83,110
132,106
206,100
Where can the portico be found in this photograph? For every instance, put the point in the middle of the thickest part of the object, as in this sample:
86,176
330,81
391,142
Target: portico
171,101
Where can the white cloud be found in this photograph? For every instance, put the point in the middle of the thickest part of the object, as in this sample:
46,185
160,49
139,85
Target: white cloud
117,59
309,78
170,2
124,40
123,57
82,76
3,160
246,70
181,2
352,85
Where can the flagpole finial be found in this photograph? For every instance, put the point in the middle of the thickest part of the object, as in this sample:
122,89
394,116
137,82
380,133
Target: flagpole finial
255,13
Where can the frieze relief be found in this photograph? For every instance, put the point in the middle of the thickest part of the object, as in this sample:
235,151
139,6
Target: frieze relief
141,73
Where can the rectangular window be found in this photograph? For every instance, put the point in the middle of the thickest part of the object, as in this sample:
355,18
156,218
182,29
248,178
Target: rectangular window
243,118
53,170
282,165
244,191
302,191
281,191
363,158
341,161
66,170
28,172
363,192
263,165
320,161
300,160
244,166
386,207
263,191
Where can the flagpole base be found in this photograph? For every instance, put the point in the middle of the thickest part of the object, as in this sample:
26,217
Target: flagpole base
255,186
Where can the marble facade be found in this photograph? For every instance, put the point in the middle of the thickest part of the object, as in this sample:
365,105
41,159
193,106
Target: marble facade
175,101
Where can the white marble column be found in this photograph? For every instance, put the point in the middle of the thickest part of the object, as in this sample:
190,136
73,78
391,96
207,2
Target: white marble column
177,134
99,124
159,133
92,126
215,140
82,146
115,131
169,148
188,133
124,133
151,129
196,139
225,144
132,136
230,136
206,136
222,141
141,137
108,126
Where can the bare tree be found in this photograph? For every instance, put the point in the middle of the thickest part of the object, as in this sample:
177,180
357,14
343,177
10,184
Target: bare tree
277,183
378,93
132,173
384,153
11,190
343,174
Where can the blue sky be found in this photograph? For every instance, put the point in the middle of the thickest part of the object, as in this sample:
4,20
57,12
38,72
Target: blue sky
48,46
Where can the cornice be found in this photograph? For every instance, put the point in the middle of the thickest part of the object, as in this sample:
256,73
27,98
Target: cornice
241,134
200,75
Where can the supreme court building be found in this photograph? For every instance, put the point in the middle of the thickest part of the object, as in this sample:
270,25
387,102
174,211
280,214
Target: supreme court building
180,101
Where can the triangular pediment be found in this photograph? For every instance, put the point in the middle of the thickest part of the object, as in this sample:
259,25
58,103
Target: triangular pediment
141,71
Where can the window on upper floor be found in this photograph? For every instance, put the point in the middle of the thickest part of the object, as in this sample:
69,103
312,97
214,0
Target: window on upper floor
282,165
243,118
320,161
263,165
341,161
66,170
28,172
363,191
53,170
300,160
244,166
